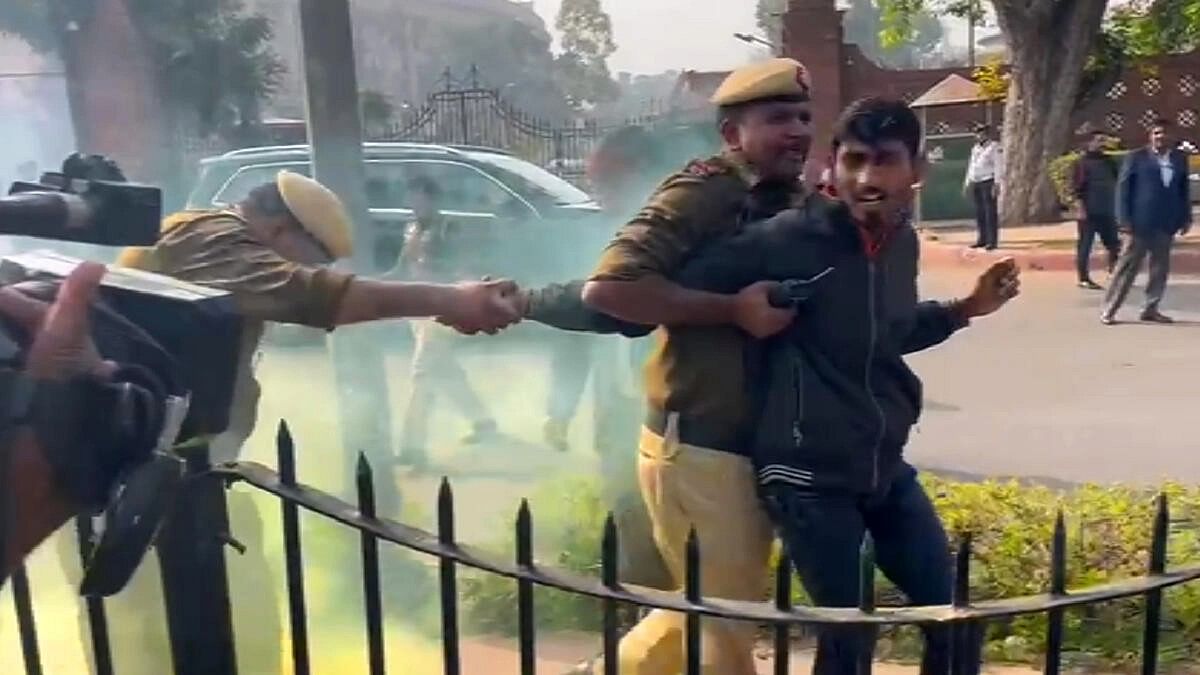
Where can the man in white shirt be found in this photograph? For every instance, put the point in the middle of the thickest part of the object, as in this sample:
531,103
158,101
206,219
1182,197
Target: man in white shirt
981,186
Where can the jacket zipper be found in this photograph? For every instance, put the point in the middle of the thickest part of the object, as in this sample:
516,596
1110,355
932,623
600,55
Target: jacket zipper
874,328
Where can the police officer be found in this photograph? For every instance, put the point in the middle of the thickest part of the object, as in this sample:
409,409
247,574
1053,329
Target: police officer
270,252
693,466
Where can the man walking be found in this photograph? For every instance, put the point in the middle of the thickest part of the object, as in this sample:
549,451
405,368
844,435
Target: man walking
431,253
1095,186
981,184
1154,204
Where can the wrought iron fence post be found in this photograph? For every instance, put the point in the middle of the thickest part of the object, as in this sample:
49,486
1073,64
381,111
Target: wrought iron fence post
1158,564
966,638
191,554
866,604
1058,587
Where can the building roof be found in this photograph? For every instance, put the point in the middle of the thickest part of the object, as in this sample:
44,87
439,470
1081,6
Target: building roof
954,89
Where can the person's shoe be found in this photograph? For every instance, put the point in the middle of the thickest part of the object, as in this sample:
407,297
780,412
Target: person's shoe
555,434
978,244
1108,319
481,432
991,247
1090,285
1155,316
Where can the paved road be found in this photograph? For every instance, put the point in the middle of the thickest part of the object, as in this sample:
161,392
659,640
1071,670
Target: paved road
1043,389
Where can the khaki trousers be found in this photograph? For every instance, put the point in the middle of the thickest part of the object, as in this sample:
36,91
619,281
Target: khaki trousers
687,487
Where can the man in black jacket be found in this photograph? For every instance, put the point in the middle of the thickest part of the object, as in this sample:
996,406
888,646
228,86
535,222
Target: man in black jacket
1094,185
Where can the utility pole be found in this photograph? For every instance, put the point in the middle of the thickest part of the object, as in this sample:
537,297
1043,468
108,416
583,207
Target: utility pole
335,135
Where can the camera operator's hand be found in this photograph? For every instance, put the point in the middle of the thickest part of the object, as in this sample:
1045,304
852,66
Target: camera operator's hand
60,347
60,333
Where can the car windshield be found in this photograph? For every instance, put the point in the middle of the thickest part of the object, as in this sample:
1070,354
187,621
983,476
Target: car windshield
537,178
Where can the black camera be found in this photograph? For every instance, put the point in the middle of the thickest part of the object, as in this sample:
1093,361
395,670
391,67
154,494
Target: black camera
88,202
185,339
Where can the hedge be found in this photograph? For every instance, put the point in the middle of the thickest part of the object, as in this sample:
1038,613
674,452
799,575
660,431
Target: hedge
1011,524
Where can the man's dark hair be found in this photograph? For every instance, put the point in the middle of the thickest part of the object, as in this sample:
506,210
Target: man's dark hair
267,200
1160,123
1097,133
426,186
876,119
983,129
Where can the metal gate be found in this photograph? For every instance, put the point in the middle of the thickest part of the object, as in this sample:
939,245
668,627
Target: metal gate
464,111
202,637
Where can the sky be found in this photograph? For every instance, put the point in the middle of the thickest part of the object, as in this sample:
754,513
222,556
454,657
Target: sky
657,35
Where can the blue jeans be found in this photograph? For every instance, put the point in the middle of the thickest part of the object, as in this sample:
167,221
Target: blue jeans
822,535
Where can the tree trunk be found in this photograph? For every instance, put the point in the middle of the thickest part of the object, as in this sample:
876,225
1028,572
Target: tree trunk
1049,42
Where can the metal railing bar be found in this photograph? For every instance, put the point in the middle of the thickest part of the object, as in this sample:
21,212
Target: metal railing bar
96,617
294,556
26,625
369,547
419,540
1158,563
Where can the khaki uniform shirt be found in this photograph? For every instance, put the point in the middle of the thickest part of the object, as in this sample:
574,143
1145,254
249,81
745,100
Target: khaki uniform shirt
214,248
696,371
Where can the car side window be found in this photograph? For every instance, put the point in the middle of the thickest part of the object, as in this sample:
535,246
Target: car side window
387,185
246,179
464,188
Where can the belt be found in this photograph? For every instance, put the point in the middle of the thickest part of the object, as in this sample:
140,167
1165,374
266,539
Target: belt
698,431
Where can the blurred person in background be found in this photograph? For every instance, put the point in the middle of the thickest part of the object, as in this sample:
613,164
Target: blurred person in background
981,185
433,252
622,172
1094,184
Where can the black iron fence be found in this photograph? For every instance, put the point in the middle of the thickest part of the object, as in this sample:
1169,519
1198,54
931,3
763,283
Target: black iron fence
202,640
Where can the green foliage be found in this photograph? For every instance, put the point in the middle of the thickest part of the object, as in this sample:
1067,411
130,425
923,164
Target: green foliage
864,25
587,42
567,535
992,79
1011,525
1062,168
214,59
378,112
901,20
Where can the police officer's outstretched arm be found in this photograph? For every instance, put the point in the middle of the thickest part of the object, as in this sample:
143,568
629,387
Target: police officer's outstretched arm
469,306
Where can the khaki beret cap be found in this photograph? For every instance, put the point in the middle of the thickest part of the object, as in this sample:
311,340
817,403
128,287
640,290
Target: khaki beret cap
776,78
319,211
